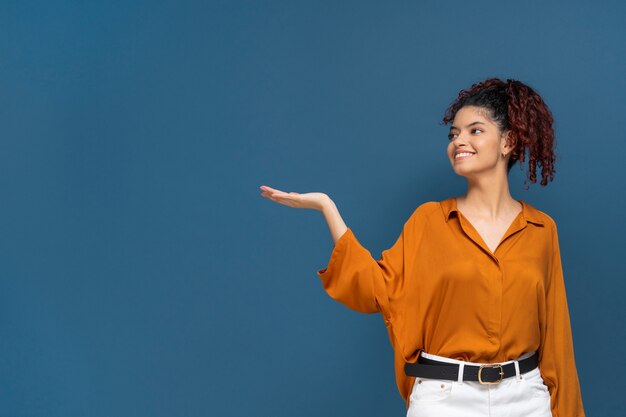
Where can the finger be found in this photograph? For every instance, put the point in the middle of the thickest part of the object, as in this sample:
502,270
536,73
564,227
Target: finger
266,187
273,190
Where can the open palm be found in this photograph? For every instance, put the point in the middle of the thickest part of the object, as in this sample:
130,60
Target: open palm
312,201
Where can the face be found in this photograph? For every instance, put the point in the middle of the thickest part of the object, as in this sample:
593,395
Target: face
479,142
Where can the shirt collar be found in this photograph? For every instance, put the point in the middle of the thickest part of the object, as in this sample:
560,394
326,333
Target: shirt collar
530,213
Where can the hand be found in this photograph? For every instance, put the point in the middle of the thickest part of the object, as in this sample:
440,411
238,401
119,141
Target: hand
313,201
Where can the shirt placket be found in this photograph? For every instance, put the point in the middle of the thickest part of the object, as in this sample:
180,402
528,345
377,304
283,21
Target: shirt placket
496,283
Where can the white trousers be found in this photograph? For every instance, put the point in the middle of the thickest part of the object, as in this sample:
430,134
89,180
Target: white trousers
522,395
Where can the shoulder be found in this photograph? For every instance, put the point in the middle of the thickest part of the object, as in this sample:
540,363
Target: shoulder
425,211
539,216
427,208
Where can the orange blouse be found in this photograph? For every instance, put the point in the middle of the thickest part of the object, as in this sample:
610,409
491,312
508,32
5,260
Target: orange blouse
440,289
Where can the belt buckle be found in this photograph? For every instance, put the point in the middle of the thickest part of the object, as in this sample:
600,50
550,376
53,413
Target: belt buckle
490,366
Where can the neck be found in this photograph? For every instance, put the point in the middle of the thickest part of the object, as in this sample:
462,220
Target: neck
488,198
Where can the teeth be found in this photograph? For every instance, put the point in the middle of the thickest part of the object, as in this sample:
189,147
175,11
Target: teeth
463,154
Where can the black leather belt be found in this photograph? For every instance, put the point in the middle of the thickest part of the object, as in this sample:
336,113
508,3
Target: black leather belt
491,373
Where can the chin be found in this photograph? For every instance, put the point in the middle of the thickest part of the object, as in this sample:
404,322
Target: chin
460,171
457,169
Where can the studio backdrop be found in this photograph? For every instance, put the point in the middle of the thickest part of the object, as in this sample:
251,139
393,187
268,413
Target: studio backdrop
142,274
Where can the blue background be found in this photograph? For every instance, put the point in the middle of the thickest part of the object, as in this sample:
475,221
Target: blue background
143,275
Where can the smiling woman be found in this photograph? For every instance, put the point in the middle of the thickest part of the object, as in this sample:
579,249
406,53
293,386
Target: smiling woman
487,331
512,111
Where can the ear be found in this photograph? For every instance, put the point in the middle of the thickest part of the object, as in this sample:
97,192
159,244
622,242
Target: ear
507,143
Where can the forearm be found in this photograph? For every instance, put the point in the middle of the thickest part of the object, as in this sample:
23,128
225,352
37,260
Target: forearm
336,225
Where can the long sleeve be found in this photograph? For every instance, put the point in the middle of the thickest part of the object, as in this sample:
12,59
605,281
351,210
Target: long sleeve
556,359
360,282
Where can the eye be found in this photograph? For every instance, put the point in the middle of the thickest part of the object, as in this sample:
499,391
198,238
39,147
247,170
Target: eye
451,136
480,130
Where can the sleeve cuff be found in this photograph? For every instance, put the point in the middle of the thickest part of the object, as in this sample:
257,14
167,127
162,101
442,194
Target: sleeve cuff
339,247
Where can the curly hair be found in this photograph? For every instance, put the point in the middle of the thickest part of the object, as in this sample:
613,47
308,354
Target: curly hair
514,106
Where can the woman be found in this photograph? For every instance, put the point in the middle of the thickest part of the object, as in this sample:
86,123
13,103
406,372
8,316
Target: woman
472,291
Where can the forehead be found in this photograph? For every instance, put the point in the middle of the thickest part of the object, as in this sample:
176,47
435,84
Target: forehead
470,114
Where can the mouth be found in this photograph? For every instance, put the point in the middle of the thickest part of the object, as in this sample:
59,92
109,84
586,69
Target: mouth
462,156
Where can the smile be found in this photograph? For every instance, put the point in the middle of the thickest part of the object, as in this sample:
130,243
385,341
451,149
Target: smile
463,155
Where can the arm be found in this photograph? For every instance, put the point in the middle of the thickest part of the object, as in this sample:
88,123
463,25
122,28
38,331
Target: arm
353,277
335,223
556,359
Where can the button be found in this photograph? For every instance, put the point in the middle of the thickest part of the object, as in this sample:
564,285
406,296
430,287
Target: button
442,386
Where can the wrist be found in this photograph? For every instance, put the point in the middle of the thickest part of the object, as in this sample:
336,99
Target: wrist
327,205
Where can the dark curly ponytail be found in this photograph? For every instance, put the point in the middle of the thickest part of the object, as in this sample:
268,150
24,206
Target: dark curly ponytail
514,106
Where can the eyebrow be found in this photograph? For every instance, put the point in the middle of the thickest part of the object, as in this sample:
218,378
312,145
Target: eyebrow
471,124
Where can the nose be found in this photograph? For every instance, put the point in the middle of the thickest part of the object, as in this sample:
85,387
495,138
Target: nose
460,138
459,142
